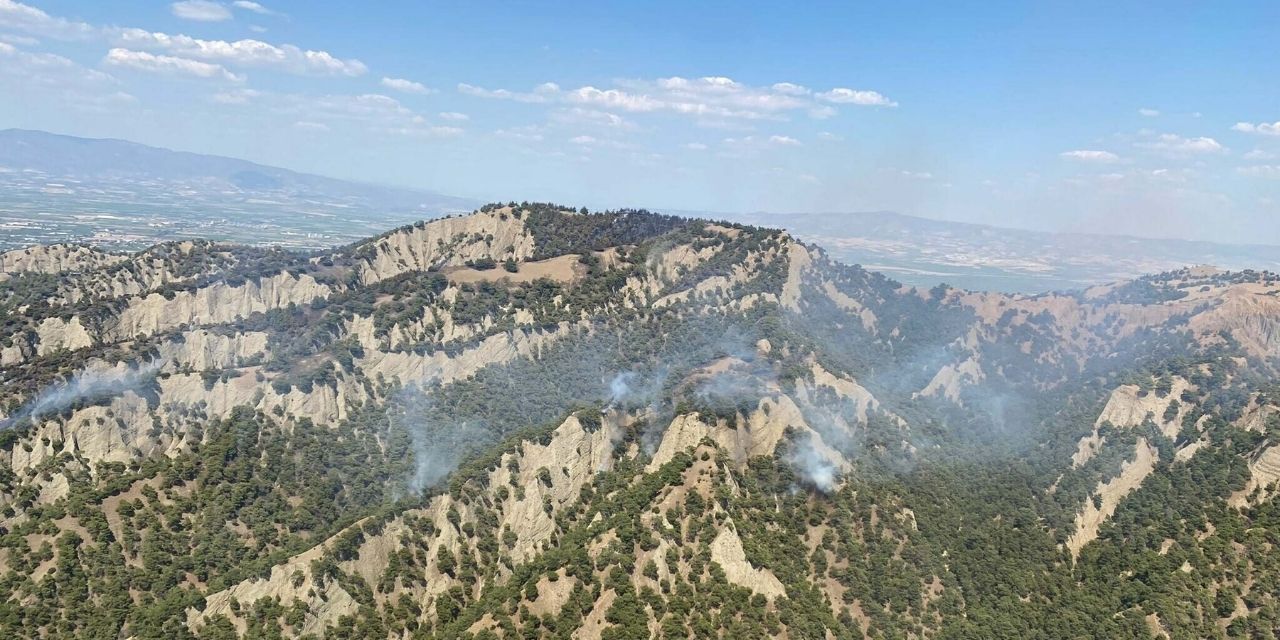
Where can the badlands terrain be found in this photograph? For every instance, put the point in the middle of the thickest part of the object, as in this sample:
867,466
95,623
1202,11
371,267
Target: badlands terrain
533,421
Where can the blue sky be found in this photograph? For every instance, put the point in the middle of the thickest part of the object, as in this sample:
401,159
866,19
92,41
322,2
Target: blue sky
1155,119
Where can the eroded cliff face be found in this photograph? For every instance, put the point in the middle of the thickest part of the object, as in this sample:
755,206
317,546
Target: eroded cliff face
134,317
56,258
497,235
214,304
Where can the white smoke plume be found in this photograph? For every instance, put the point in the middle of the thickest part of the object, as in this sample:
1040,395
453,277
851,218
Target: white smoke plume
438,446
813,466
84,384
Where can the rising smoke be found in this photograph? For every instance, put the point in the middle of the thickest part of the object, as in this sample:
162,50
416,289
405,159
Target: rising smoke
438,445
91,384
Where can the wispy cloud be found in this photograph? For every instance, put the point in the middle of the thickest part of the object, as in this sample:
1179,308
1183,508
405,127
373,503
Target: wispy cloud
427,131
527,133
541,93
369,112
1260,171
1091,155
1148,112
1178,145
854,96
579,116
201,10
24,72
236,97
28,19
405,86
708,97
252,6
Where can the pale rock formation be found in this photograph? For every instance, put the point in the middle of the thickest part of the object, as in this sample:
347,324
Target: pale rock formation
573,457
202,349
1091,517
448,242
408,367
1128,407
56,334
855,393
214,304
726,551
798,262
325,600
115,432
55,258
763,430
952,378
1264,473
868,317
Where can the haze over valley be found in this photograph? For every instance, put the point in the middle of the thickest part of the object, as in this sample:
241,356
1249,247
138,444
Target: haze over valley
123,196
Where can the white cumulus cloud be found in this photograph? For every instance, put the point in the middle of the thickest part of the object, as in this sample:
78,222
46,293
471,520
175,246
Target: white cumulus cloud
1263,128
168,65
405,86
248,52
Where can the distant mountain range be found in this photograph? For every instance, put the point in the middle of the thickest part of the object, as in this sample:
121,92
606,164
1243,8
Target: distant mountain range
124,195
56,188
924,252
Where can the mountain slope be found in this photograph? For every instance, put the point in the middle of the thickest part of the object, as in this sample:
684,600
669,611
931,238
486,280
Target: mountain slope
534,422
138,195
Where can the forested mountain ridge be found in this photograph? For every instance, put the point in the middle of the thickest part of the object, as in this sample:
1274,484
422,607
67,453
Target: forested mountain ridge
533,421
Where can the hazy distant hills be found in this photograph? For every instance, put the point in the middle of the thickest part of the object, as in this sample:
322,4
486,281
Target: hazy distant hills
124,195
972,256
120,193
